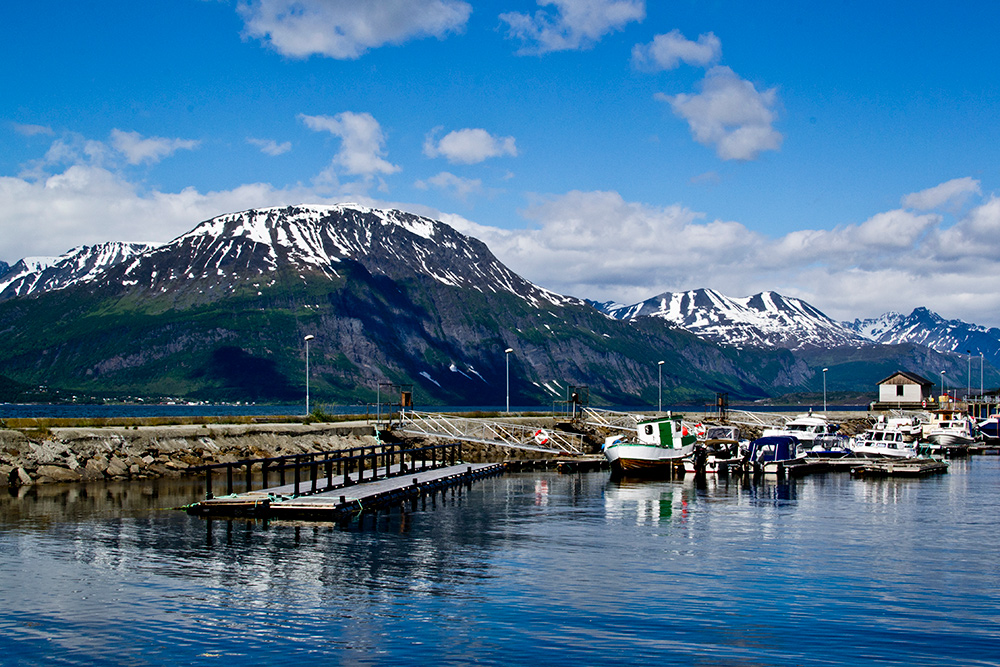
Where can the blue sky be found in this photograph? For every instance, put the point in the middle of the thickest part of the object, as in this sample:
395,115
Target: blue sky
610,149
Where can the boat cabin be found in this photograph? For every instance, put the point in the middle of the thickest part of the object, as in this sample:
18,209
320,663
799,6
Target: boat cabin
772,448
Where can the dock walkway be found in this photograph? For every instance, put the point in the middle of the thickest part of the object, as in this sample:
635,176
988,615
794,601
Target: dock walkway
354,491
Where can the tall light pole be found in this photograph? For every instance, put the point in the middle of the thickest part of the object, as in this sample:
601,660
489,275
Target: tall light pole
824,389
968,378
506,354
982,390
659,387
942,385
307,339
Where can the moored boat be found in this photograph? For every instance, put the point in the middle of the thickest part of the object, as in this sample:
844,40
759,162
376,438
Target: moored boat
990,427
715,451
949,432
769,453
816,436
652,451
889,438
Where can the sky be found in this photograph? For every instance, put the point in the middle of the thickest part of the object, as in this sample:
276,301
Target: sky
843,152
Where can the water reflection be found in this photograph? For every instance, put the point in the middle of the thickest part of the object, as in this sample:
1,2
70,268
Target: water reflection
534,567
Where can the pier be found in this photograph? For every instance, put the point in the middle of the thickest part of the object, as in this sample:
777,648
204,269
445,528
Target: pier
336,485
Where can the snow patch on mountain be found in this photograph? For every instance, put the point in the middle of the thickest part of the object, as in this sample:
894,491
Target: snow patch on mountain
83,264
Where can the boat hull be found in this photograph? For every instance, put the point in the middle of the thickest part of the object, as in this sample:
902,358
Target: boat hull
644,460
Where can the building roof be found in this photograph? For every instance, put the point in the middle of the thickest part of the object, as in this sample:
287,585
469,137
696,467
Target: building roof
912,377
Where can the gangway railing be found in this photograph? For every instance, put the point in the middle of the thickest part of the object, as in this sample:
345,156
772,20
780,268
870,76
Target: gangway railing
488,432
626,421
761,419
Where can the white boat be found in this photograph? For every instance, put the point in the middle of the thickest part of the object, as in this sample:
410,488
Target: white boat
889,438
949,429
817,437
717,448
655,447
990,427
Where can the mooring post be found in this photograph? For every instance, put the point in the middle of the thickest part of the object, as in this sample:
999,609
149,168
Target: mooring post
263,473
249,478
281,470
298,473
208,484
229,479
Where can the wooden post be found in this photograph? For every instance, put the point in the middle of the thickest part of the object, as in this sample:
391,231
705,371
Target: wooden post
229,479
298,474
208,484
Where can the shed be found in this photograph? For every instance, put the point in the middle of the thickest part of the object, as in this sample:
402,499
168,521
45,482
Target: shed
903,387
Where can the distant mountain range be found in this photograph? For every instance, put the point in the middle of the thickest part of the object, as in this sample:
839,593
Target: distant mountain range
398,299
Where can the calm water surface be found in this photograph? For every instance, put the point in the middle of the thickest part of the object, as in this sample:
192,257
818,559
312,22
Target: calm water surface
531,568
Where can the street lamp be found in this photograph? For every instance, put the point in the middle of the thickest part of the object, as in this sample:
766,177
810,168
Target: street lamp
824,389
659,386
307,339
942,385
506,354
968,377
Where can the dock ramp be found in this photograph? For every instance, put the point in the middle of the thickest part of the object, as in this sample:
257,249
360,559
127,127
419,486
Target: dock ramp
489,432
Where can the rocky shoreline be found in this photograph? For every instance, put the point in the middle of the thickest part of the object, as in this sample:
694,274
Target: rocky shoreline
142,452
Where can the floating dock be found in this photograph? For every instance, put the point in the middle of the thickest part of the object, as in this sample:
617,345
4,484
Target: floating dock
333,486
864,467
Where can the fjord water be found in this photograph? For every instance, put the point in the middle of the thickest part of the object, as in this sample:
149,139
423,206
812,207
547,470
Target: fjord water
528,568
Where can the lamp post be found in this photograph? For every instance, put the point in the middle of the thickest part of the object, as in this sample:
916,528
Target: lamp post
659,387
968,378
307,339
506,354
942,385
982,391
824,389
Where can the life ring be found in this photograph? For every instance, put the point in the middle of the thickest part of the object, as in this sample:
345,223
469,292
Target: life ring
541,437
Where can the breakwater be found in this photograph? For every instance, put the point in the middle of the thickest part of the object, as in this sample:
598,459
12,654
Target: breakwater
88,454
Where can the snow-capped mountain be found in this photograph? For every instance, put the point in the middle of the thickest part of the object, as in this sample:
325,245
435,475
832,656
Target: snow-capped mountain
924,327
246,249
80,265
766,320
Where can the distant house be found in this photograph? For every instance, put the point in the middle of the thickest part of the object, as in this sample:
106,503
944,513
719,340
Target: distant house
905,389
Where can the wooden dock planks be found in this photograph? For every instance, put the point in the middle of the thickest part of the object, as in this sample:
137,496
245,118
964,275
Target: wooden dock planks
343,500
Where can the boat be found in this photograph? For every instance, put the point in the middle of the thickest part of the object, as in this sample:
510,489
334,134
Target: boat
769,453
949,432
894,437
715,451
816,436
653,450
990,427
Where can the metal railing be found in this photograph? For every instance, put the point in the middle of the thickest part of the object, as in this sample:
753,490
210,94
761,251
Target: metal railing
487,432
323,471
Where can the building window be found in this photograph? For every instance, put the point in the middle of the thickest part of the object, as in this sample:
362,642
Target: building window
899,390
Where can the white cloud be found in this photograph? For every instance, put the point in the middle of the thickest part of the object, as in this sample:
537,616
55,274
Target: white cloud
362,147
955,191
730,114
345,29
468,146
270,146
459,187
149,150
31,130
576,24
668,51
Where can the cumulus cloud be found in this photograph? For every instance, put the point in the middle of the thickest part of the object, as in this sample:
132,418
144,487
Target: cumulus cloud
460,188
86,204
346,29
668,51
575,24
147,150
955,191
468,146
730,114
270,146
362,142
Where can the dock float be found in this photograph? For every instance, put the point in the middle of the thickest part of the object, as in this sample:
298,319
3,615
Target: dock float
863,467
332,486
